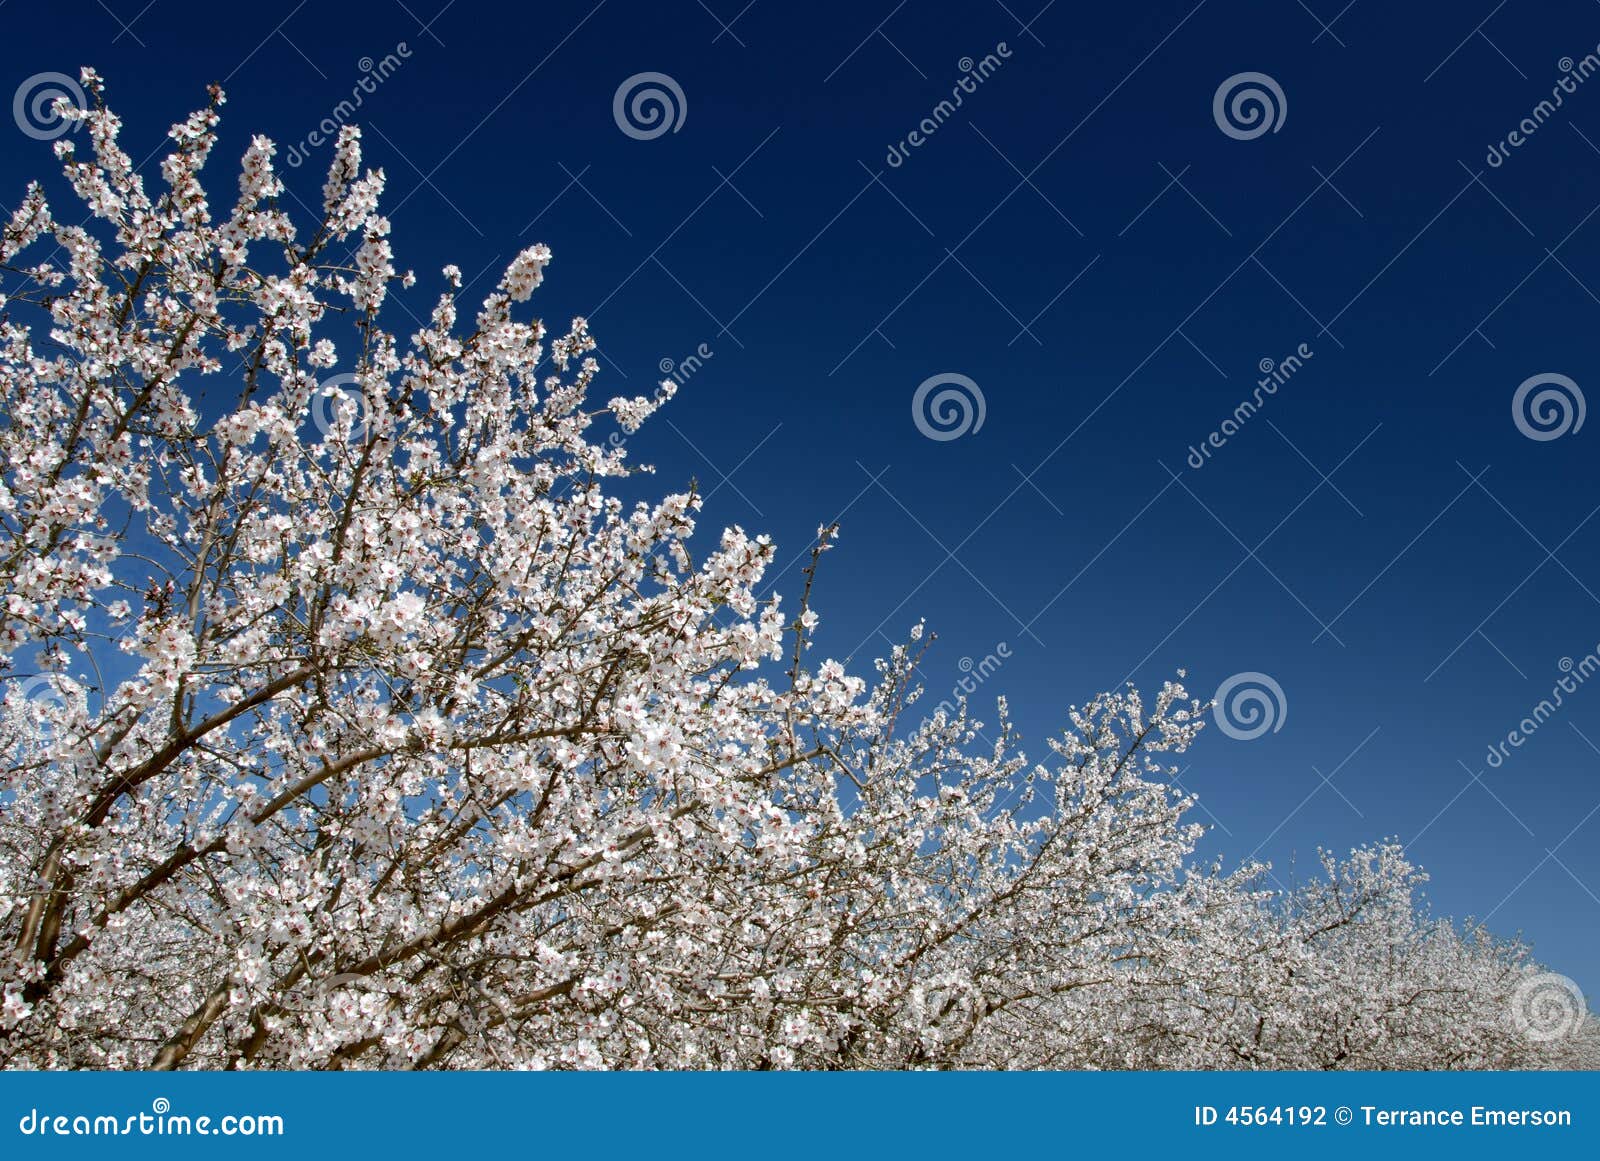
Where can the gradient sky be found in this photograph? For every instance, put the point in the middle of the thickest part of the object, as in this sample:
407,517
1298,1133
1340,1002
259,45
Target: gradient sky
1110,268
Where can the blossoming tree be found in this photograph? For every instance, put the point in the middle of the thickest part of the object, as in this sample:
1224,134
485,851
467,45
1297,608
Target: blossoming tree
349,722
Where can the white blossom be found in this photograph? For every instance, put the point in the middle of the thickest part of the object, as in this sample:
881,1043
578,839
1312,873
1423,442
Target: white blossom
393,739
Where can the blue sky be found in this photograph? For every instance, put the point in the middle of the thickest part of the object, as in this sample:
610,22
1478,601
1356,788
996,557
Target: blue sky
1085,243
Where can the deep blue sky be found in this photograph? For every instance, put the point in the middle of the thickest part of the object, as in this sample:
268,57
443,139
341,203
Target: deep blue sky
829,285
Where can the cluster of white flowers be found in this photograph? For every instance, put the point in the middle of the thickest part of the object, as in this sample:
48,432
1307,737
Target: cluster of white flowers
403,744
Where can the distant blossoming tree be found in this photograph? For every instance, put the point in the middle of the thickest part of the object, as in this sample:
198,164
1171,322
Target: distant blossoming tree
349,722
